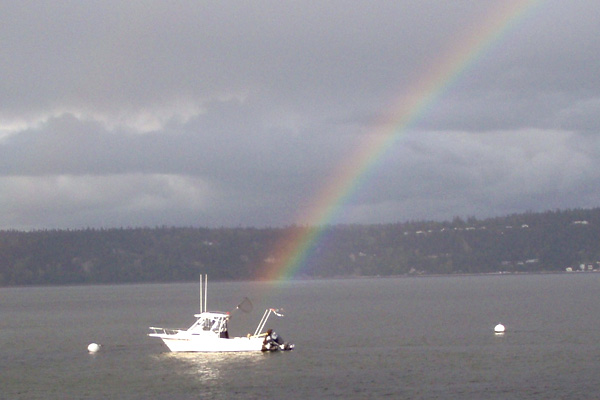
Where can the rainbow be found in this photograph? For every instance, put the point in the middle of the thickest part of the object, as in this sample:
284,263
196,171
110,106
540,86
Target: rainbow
293,251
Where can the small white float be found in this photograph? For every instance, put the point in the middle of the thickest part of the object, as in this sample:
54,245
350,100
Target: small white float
93,347
499,329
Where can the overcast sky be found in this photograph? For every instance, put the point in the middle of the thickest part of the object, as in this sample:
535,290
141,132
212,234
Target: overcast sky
191,113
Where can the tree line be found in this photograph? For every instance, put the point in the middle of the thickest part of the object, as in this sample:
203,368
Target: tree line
528,242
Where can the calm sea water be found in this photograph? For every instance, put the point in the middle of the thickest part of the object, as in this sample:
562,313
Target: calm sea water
410,338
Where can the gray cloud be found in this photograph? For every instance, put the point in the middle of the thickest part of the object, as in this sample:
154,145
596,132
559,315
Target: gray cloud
213,114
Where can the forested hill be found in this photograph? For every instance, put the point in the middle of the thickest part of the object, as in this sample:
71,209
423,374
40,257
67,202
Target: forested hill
531,242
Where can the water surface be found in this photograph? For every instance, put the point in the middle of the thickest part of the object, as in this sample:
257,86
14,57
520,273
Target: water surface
417,338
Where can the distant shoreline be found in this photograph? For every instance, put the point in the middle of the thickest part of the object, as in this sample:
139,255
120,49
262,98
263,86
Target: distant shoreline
305,279
425,275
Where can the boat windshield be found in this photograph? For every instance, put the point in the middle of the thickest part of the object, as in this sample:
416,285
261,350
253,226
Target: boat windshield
210,323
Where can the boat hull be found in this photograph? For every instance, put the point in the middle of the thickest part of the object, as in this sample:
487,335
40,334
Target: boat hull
204,343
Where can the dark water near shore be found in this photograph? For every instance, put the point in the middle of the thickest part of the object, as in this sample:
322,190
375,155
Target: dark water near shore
412,338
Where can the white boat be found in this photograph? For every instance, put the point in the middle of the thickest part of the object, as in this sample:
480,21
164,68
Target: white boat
210,332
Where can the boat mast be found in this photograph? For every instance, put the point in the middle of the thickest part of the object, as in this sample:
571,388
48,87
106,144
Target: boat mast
203,293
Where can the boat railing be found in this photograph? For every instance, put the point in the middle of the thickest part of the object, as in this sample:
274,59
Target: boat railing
263,321
164,331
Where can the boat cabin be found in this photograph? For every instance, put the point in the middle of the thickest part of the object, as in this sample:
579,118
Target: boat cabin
211,322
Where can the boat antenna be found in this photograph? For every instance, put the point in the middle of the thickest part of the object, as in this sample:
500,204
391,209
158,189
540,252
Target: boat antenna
205,291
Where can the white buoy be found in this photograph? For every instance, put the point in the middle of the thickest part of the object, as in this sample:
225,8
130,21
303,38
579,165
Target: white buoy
499,328
93,347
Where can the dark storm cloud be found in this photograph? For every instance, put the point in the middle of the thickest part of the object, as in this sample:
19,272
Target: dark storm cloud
211,113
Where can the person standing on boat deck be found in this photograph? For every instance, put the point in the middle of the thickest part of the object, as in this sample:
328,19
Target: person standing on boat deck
268,335
267,341
224,334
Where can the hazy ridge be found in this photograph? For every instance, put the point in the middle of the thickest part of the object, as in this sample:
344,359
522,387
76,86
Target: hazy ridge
528,242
